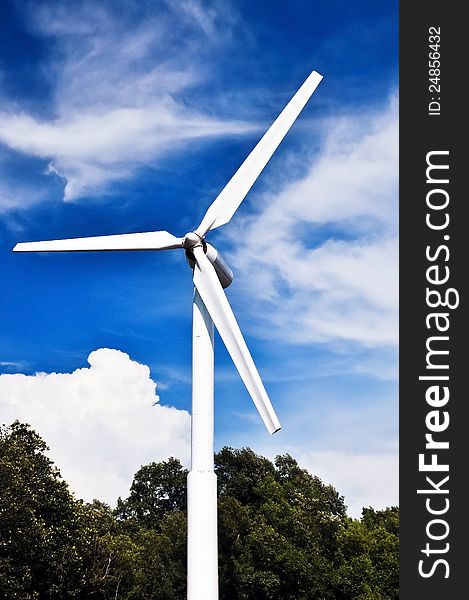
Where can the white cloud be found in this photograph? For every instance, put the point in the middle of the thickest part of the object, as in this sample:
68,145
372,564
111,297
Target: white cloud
118,93
98,147
321,258
100,422
18,191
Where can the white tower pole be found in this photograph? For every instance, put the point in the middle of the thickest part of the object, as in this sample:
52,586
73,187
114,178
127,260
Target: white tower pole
202,548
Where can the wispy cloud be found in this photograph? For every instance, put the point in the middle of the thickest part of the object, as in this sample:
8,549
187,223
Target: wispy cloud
19,180
100,422
13,365
321,256
119,91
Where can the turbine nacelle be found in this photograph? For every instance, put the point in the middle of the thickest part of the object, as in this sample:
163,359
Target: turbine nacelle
224,273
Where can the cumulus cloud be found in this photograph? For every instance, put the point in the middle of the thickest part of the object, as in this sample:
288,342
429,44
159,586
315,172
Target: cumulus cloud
118,92
322,255
101,422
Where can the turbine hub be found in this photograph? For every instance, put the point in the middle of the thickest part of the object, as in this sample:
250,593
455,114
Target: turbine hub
192,239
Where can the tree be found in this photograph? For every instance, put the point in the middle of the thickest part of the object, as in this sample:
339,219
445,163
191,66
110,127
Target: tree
368,559
387,518
161,574
239,472
154,515
157,488
278,528
39,521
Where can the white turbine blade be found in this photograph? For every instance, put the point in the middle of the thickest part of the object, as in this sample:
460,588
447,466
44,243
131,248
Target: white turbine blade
213,296
227,202
153,240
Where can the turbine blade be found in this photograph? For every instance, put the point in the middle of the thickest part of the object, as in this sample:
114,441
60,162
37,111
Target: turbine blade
213,296
227,202
153,240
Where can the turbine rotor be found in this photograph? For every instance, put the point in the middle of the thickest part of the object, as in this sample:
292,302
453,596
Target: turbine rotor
192,239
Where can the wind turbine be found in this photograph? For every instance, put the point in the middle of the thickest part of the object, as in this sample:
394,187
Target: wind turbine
210,306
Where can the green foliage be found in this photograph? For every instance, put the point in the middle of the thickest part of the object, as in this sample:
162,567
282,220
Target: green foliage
369,556
157,489
40,528
283,533
278,528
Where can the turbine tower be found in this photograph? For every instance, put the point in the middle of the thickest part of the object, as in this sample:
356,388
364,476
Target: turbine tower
210,306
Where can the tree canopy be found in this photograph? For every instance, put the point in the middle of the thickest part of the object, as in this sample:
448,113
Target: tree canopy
283,533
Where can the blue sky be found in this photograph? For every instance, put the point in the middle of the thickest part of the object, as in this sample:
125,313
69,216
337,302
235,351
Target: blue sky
131,116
